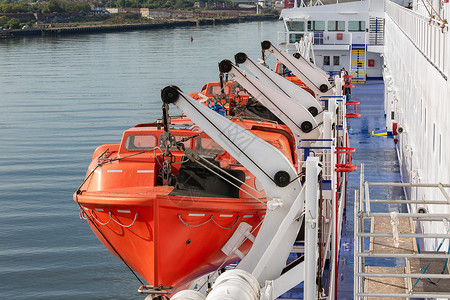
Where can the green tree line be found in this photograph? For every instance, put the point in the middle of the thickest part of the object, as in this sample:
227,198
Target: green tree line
24,6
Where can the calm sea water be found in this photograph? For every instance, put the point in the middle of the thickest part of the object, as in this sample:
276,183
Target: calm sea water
62,97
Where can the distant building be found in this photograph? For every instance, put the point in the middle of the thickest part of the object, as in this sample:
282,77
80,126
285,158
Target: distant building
166,13
114,10
278,4
132,10
246,4
145,12
265,3
212,5
98,10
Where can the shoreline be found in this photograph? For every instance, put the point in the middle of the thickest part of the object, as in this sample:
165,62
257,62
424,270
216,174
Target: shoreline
167,23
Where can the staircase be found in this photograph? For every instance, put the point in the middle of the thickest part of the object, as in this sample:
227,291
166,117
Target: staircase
358,63
376,31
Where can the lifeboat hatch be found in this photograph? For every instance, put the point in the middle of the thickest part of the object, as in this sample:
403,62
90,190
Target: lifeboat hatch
196,180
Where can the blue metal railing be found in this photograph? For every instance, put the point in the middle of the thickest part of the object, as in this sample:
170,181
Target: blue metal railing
307,149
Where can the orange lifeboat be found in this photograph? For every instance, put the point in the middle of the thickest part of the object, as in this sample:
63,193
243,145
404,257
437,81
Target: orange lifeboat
229,95
166,216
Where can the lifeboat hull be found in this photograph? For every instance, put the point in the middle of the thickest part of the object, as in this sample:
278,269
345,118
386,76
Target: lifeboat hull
169,240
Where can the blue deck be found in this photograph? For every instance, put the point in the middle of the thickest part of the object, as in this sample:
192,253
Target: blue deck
380,164
380,159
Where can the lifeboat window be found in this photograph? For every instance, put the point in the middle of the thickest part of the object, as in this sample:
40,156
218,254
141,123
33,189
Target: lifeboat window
215,90
295,25
237,89
279,68
141,142
207,146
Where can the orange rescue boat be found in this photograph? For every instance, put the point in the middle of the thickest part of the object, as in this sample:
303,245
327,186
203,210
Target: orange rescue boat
166,215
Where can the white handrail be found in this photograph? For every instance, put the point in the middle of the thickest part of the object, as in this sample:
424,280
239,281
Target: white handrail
428,35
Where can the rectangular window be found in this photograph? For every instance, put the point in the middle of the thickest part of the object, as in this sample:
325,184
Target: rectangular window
316,25
295,37
295,25
215,89
336,25
336,61
141,142
326,60
356,25
206,145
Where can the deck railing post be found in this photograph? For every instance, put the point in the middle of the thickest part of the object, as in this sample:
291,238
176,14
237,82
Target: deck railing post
311,227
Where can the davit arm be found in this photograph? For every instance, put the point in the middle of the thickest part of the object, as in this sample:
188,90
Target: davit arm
292,113
271,168
307,72
264,161
279,83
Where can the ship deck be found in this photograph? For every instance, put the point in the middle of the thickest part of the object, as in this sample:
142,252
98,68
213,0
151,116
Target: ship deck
378,154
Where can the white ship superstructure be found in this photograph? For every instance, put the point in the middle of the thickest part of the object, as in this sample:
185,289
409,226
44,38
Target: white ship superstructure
348,35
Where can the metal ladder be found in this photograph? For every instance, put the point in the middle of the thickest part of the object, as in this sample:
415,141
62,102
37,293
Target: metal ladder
358,63
393,241
376,31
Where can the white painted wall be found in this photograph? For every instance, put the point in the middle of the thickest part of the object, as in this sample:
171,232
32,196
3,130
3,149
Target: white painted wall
419,67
